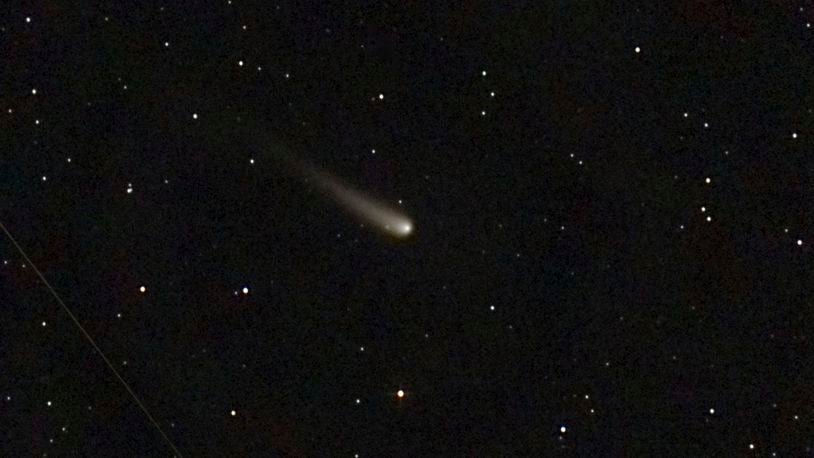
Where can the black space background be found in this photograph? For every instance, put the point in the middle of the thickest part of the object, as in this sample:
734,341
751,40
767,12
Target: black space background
621,313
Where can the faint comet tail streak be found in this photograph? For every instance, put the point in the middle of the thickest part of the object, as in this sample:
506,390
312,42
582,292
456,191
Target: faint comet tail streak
92,342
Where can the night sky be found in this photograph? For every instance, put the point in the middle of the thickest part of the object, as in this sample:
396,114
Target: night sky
611,217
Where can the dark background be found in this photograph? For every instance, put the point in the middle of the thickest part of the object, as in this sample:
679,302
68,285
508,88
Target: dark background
624,323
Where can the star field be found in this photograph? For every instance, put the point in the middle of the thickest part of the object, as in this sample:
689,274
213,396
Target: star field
603,244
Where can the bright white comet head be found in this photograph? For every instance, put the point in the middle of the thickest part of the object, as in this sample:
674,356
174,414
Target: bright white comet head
401,229
406,228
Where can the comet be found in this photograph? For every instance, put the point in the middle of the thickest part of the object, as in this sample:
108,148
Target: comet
386,218
371,211
368,209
